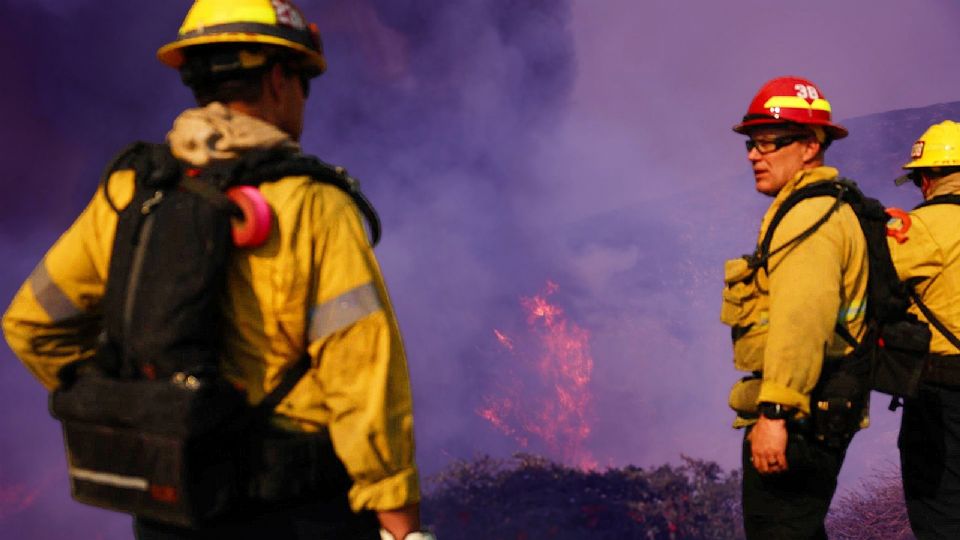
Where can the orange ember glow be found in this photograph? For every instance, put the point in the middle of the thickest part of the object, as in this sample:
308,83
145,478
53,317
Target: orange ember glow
544,395
504,340
16,498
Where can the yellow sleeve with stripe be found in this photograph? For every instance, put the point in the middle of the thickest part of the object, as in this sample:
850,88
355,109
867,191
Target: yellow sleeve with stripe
54,318
355,342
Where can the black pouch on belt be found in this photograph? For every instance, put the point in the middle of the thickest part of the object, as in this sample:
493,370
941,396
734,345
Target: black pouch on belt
837,402
899,357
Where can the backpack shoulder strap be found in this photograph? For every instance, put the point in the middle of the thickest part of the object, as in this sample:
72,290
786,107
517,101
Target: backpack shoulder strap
870,215
927,312
153,165
336,176
942,199
261,166
290,379
827,188
887,296
951,337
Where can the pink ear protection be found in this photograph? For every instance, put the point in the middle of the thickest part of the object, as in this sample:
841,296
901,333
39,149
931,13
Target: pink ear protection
254,229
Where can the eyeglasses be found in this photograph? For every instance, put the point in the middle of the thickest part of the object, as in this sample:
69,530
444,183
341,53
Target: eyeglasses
912,176
767,146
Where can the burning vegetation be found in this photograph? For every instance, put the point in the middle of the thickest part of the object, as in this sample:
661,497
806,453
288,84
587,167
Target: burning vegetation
543,397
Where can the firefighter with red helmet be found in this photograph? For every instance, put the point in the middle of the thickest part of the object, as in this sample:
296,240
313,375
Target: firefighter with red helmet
312,294
928,256
787,305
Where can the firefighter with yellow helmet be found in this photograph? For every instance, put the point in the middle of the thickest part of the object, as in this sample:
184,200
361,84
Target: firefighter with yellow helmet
786,304
929,258
312,290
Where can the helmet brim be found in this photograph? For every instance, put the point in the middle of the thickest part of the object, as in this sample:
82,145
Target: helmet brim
171,54
835,131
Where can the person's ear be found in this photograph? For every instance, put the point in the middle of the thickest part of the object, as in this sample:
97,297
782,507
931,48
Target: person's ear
811,149
275,79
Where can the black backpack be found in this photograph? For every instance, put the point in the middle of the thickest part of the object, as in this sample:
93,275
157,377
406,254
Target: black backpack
894,347
167,270
150,425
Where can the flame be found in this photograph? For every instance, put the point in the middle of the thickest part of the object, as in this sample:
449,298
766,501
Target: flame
545,393
504,340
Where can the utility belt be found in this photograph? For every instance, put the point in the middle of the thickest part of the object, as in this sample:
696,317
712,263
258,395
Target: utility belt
837,402
185,451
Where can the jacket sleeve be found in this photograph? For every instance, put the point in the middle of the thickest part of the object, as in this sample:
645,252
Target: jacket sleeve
355,341
805,290
919,256
54,318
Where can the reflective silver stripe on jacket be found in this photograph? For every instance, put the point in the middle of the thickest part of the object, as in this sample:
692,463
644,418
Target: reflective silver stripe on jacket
50,297
341,312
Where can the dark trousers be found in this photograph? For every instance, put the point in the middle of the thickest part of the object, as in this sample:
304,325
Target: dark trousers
791,505
316,520
930,461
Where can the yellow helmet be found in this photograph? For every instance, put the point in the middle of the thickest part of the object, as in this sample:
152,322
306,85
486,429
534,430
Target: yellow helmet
939,146
266,22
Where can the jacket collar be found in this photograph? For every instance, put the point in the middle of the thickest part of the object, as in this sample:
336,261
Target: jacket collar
802,179
217,133
948,185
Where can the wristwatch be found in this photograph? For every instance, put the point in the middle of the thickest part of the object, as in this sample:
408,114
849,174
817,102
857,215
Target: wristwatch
775,411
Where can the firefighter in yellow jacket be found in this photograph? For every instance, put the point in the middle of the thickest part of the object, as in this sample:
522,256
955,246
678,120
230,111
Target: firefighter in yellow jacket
314,287
784,306
929,259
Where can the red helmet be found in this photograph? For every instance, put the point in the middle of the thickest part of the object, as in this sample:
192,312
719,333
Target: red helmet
790,99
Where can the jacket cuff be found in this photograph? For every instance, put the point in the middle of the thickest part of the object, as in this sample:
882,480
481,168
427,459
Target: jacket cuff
774,392
401,489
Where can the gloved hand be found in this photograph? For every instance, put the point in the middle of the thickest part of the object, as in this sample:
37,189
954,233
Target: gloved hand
419,535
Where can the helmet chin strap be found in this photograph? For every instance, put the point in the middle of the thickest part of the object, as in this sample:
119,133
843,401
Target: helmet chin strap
819,133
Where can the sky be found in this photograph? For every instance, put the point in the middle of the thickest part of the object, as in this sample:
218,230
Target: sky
573,151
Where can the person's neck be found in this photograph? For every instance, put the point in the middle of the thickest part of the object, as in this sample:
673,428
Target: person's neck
255,110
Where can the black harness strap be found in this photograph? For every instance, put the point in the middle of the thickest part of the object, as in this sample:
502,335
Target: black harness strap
951,337
927,312
290,379
827,188
153,165
841,190
941,199
256,167
212,195
252,168
329,174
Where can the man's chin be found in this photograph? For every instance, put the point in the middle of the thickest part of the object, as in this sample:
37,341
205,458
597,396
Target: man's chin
764,187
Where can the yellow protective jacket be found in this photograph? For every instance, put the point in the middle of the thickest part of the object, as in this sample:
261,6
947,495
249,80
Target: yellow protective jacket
787,315
932,252
315,286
